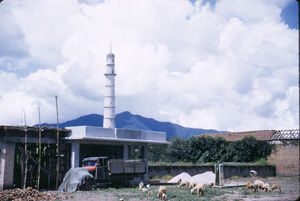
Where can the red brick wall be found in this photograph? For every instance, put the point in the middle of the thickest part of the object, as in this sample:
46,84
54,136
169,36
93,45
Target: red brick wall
286,158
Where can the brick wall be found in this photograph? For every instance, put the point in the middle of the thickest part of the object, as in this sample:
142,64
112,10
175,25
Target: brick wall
286,158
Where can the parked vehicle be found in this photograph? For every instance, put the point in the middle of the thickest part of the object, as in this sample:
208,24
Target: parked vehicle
115,170
77,178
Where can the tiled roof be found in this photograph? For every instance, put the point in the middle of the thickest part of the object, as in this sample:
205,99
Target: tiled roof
263,135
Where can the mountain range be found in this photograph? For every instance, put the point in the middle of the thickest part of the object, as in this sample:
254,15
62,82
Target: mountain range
130,121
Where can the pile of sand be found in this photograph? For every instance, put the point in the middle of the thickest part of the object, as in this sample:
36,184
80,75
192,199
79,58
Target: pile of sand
203,178
183,176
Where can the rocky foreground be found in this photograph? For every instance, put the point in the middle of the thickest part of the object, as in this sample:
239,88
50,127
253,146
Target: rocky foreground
29,194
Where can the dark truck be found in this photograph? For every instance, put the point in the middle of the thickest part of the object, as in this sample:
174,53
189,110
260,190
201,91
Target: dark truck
115,170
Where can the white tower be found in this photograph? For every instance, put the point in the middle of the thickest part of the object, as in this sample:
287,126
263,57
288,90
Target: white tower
109,120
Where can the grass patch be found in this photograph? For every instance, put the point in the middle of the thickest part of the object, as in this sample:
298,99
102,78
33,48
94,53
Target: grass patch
261,162
178,164
286,176
166,177
246,192
175,194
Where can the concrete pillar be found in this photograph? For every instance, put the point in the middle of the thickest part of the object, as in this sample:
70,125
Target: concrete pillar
7,157
2,163
125,152
75,154
146,157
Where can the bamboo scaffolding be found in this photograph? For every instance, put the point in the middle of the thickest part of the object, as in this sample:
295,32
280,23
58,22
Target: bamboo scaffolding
57,146
49,168
40,149
36,162
25,152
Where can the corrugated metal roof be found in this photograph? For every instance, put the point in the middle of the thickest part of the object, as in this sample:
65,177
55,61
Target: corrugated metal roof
286,135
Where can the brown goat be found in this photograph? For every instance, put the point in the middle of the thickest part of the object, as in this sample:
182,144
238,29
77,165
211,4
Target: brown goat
276,186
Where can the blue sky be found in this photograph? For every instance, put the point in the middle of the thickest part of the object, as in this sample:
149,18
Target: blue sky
226,64
289,12
290,15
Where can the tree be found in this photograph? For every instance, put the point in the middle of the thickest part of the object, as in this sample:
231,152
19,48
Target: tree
178,150
158,152
203,149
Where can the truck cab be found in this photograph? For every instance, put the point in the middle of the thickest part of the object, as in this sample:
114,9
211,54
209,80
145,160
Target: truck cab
97,166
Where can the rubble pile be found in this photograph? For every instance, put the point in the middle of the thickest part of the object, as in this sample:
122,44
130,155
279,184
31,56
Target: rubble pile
28,194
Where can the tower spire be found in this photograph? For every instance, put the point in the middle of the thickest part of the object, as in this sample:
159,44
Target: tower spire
109,120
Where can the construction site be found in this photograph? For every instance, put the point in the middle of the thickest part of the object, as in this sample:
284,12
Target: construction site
30,155
39,157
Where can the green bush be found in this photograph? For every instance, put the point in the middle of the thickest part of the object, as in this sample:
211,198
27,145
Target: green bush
206,149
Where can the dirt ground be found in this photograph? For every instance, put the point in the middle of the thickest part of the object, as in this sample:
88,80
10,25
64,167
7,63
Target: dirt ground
289,186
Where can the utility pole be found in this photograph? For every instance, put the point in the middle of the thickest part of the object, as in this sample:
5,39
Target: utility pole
57,146
25,152
40,149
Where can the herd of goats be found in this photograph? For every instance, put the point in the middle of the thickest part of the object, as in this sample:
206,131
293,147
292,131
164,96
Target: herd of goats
257,186
162,191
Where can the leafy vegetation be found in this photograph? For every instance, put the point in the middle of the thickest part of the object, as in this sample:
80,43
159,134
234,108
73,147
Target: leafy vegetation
166,177
206,149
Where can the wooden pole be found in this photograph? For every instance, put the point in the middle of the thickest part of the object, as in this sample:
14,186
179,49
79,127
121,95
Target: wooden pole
25,152
50,165
40,153
57,146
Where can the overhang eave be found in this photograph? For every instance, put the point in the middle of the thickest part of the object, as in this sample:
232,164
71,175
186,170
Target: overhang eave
117,140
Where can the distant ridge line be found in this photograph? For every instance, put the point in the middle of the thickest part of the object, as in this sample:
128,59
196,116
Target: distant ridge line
130,121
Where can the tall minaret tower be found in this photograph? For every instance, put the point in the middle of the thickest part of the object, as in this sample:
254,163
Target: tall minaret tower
109,120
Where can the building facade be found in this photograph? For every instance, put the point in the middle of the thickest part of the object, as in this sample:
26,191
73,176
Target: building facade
19,146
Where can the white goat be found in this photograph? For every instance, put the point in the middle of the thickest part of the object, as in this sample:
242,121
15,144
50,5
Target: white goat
266,187
193,184
258,184
162,190
184,184
200,190
209,185
253,173
164,197
141,184
145,190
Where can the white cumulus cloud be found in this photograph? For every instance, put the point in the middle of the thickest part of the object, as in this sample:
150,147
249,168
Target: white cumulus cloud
228,66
